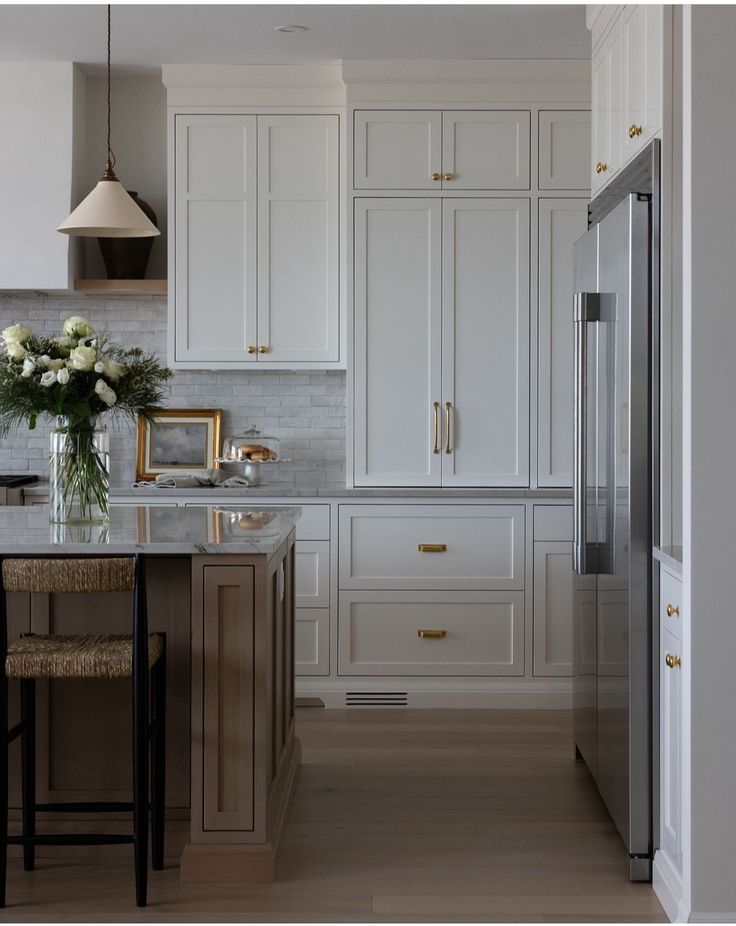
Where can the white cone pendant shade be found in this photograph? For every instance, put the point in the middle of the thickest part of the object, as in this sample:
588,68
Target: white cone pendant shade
108,212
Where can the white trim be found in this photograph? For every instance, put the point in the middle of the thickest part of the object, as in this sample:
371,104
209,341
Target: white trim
667,885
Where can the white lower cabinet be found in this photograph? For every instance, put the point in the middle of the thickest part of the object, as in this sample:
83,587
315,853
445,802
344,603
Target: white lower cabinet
312,573
431,633
312,641
670,732
553,607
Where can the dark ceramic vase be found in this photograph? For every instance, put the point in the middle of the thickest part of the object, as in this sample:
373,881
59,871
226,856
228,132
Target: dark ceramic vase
127,258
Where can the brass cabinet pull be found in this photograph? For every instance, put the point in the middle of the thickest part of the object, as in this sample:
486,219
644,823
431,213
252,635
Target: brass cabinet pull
672,662
436,177
448,411
634,130
436,448
263,349
431,634
251,349
673,610
449,177
432,548
601,168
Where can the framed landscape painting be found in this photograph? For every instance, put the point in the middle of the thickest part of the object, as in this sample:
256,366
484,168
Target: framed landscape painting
178,440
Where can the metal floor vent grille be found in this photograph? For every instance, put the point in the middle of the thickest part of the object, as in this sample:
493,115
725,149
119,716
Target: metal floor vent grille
376,699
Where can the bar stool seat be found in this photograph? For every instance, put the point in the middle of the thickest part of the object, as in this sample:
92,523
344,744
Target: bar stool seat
77,656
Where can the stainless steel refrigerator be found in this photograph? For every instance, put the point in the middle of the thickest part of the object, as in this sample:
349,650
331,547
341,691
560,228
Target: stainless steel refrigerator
613,518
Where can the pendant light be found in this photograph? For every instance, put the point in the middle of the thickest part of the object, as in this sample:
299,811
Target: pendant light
108,211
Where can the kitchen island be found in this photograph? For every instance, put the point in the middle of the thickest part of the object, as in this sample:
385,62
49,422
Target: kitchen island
220,584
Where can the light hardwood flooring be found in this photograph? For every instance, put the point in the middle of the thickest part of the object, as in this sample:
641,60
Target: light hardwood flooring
399,815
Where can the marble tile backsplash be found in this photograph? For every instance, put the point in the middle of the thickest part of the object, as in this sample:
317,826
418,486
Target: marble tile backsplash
305,410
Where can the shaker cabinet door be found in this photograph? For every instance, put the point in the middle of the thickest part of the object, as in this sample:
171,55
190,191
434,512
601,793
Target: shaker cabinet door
298,242
397,339
670,673
215,238
485,343
561,223
397,150
553,608
485,150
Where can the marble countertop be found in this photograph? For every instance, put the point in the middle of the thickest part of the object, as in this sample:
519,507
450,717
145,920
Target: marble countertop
323,491
157,531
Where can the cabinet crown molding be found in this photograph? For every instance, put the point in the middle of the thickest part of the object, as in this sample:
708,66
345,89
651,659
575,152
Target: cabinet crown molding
250,84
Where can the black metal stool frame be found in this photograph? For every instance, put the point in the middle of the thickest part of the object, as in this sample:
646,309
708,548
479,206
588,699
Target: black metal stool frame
149,730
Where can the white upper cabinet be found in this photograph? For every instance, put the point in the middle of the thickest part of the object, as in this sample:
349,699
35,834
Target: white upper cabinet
431,150
298,244
256,245
627,87
485,150
215,233
485,342
397,150
561,223
564,149
398,265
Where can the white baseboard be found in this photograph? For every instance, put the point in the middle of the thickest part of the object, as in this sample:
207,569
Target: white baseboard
507,693
667,884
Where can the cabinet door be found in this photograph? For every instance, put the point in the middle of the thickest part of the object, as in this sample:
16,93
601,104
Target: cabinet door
485,150
553,607
397,341
312,641
607,112
312,573
561,223
653,53
671,747
564,149
600,147
298,239
397,149
215,228
485,344
633,35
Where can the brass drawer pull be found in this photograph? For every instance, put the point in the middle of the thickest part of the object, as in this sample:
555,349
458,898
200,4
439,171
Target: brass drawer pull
431,634
634,130
673,610
601,168
432,548
436,448
672,662
448,412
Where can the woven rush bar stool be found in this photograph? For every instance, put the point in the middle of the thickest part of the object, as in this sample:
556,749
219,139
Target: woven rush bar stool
101,656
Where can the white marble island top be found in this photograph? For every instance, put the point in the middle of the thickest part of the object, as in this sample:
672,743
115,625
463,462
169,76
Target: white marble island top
154,530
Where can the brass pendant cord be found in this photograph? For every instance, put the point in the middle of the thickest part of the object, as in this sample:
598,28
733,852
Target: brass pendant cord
109,172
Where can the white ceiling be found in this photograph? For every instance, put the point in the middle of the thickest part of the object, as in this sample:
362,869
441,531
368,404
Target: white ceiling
147,35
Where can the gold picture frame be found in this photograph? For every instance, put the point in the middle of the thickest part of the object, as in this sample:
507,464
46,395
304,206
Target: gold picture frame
178,440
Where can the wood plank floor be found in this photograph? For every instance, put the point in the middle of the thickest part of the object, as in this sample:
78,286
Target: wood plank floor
400,816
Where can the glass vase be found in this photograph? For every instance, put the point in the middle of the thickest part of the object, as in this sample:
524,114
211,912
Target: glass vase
79,473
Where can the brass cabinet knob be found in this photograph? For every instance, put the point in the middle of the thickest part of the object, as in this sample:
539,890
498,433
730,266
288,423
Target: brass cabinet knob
432,547
673,610
449,177
436,177
601,168
672,661
634,130
251,349
263,349
431,634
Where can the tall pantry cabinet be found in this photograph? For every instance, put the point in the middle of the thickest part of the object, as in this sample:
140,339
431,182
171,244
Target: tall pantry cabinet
463,220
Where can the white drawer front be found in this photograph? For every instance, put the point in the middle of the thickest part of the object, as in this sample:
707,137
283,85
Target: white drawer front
388,546
312,574
312,641
482,633
314,523
670,604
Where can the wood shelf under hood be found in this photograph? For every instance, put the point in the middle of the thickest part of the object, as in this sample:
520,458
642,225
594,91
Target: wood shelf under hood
121,287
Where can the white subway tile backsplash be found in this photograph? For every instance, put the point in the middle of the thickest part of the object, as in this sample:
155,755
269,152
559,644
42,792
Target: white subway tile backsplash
305,410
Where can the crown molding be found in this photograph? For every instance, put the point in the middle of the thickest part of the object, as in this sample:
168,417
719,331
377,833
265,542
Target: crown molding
245,84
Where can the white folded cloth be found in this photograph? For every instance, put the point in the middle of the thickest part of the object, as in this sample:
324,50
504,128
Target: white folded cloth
203,477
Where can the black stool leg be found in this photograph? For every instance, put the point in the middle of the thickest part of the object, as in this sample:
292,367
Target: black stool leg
158,758
141,715
28,766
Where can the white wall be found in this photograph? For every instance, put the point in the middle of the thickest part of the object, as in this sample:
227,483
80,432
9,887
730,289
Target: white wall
139,143
709,456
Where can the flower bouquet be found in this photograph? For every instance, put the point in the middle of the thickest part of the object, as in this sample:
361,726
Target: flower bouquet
74,378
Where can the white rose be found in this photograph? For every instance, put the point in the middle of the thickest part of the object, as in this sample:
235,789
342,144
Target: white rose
29,368
15,350
55,364
43,360
63,343
16,334
83,358
62,376
77,327
48,378
106,394
112,369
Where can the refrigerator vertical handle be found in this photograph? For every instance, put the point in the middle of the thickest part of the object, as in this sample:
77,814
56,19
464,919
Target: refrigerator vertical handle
580,415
